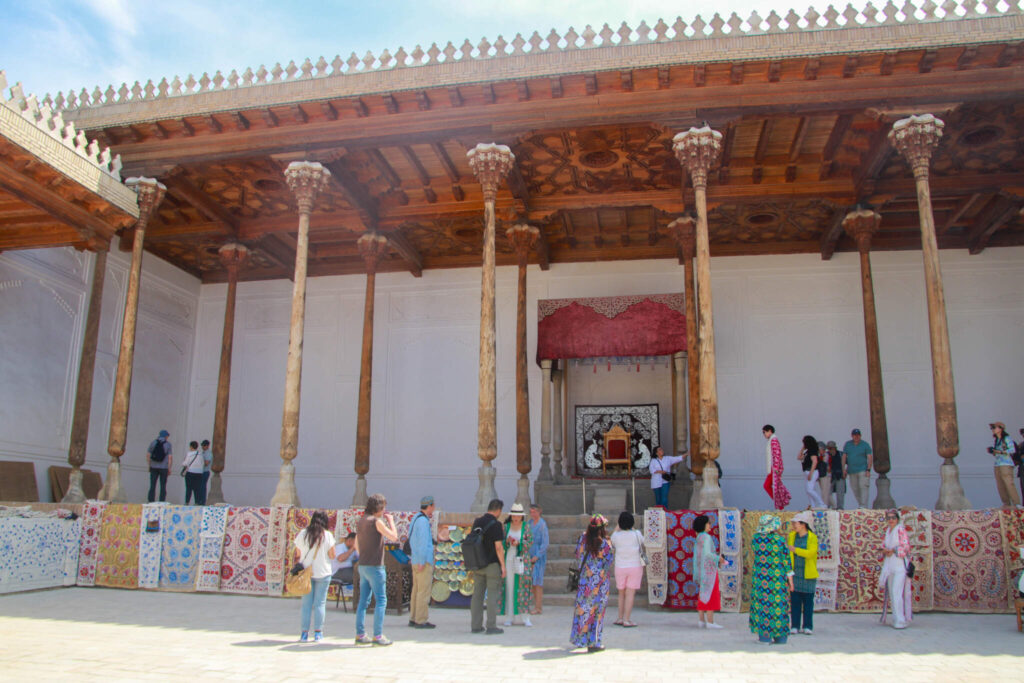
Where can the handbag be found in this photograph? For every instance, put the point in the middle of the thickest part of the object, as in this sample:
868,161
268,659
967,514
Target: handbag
910,570
518,566
643,550
184,468
573,583
299,579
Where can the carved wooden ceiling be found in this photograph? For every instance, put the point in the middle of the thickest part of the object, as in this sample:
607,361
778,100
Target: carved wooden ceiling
804,141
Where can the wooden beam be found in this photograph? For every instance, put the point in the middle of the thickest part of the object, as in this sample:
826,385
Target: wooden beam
1009,54
963,207
590,83
556,87
487,89
390,103
329,112
213,124
874,161
404,249
543,252
885,68
966,57
774,71
839,129
241,123
1002,211
523,90
279,253
58,235
416,164
446,162
927,61
798,139
300,114
762,140
517,186
422,100
270,118
186,128
385,169
355,194
206,205
736,73
455,97
664,77
832,233
626,78
811,69
850,66
360,108
84,222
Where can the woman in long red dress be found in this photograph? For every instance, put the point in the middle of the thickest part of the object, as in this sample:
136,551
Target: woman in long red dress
773,485
705,571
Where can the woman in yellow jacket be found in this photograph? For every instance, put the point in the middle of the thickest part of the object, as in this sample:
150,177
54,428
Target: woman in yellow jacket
803,553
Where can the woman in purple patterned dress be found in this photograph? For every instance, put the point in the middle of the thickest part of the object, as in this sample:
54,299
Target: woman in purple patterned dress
595,555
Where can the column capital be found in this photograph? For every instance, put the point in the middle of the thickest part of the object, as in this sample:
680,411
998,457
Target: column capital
698,151
523,238
915,137
372,247
306,179
684,231
233,255
861,225
150,192
490,164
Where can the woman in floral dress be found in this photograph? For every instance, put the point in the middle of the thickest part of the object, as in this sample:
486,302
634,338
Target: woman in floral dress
595,555
519,574
772,581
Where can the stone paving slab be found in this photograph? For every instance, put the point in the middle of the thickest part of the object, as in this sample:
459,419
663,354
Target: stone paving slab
96,634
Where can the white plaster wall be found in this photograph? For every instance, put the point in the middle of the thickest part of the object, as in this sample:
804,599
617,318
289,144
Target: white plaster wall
44,297
789,334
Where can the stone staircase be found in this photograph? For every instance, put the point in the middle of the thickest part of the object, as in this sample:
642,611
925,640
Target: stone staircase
564,532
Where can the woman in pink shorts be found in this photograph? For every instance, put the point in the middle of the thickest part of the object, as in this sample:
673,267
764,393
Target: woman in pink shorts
629,568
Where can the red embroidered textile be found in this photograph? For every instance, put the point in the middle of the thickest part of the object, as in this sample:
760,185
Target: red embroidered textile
683,591
773,485
650,325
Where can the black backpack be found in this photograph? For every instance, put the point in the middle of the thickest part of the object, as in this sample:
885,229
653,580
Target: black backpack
474,554
159,452
406,546
822,466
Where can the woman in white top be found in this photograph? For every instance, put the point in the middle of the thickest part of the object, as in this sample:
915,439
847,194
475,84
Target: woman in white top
194,474
314,547
629,567
661,478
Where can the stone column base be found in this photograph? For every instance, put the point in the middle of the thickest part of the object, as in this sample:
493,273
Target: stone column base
359,498
883,500
710,494
486,492
112,490
698,487
75,493
215,496
951,492
523,491
286,493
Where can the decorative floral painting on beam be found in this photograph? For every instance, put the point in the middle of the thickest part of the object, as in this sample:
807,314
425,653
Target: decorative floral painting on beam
641,421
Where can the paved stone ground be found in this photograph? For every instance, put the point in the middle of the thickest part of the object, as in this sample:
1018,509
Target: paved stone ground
105,634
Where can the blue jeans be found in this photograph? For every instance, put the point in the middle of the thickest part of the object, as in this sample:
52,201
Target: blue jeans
315,602
371,579
661,495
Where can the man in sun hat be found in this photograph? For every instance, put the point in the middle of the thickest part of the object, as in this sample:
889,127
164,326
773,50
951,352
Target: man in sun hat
422,545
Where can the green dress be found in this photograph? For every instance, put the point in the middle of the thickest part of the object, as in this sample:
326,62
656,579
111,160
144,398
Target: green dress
522,583
769,599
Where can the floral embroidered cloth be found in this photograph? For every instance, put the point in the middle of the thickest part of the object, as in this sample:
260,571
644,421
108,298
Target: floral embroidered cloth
730,542
243,567
682,586
180,551
117,559
150,541
92,517
970,570
38,552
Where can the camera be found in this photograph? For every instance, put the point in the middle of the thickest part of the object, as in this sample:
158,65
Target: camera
669,476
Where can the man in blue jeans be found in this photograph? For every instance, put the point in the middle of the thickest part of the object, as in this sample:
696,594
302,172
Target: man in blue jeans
660,475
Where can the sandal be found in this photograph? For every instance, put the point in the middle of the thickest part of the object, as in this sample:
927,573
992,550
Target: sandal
629,624
618,623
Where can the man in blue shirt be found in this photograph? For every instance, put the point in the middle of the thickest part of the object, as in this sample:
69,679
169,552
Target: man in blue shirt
857,459
422,545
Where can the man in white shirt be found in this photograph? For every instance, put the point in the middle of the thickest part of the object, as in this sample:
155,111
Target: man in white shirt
345,554
661,478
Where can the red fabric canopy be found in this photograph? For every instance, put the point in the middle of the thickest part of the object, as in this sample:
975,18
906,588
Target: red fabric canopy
651,325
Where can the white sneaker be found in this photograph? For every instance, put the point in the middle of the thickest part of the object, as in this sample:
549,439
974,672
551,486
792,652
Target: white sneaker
793,632
527,622
713,625
701,624
507,623
807,632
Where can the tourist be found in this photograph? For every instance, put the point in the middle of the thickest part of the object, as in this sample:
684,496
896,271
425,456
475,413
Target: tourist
159,453
1002,449
809,458
857,459
661,477
629,567
594,554
1019,460
314,547
375,527
773,482
345,555
705,571
538,556
193,471
837,466
207,463
487,581
515,599
824,480
893,577
772,578
803,555
421,543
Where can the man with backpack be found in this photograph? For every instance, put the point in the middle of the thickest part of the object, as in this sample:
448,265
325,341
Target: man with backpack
159,453
488,579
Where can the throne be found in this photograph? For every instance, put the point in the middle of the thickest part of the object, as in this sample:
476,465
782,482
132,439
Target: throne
616,449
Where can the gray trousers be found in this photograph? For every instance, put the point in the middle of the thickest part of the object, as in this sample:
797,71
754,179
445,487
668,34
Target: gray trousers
487,580
838,494
860,482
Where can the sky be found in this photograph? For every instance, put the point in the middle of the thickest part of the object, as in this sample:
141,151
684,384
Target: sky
57,45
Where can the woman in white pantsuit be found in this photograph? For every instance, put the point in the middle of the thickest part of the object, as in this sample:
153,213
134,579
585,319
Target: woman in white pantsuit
893,579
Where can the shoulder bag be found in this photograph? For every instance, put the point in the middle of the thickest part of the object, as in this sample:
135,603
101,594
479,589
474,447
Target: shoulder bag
299,579
574,573
184,469
643,550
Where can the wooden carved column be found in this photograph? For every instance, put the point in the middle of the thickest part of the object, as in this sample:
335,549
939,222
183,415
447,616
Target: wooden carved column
556,421
684,232
523,238
151,193
305,179
372,246
232,256
861,225
83,391
698,151
490,163
915,138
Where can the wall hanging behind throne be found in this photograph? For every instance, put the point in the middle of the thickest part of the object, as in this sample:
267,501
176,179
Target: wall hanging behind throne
640,420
